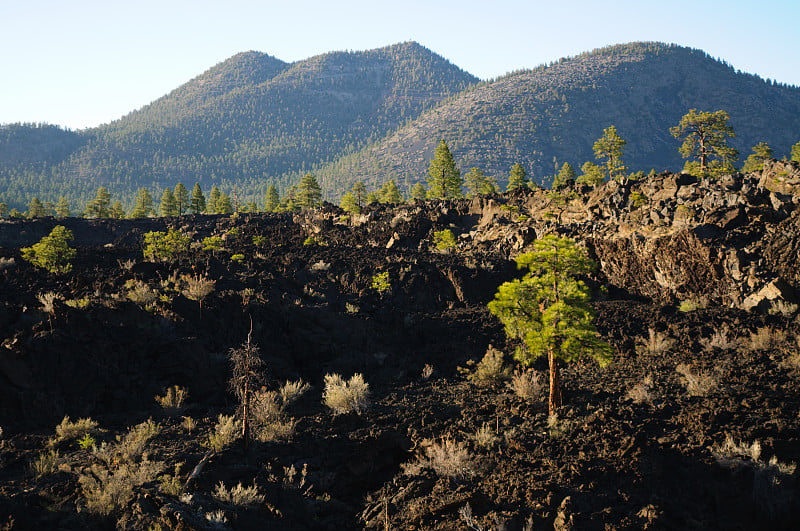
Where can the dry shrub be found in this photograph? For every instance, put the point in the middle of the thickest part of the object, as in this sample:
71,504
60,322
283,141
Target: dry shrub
292,391
448,458
171,484
217,519
225,432
68,430
129,447
720,339
766,338
173,399
642,392
491,369
239,495
485,437
427,371
656,342
527,384
558,428
697,384
771,479
189,424
107,489
346,396
48,301
46,463
280,430
265,407
142,294
197,287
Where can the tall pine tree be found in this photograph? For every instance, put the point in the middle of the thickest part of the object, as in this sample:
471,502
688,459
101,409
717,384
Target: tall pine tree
444,179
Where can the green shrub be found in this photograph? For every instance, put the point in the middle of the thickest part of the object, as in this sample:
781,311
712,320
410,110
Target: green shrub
380,282
212,243
237,257
52,252
259,241
444,240
87,441
165,246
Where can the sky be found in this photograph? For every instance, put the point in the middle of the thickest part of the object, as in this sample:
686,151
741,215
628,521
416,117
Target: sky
82,63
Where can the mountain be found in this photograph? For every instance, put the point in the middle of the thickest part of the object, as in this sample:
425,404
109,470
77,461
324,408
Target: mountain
249,120
555,112
373,115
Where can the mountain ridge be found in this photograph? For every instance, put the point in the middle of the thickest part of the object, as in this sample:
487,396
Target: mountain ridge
373,115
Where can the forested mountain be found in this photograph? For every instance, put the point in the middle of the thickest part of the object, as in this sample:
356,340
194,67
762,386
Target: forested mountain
250,120
254,120
554,113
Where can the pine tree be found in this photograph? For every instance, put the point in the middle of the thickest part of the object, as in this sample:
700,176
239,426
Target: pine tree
390,194
272,200
360,194
181,198
3,210
418,191
62,207
224,204
705,137
213,201
564,175
548,309
116,211
36,209
197,204
309,193
144,204
349,204
518,178
444,177
609,147
474,181
795,155
52,252
592,174
98,207
169,204
755,162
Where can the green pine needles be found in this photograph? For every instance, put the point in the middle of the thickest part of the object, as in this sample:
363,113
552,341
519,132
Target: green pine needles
548,309
52,253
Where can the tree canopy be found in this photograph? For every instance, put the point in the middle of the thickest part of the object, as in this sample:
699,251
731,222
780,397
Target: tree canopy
444,179
705,137
548,309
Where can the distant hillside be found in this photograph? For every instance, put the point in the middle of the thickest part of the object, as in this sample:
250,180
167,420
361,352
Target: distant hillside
555,113
253,120
249,120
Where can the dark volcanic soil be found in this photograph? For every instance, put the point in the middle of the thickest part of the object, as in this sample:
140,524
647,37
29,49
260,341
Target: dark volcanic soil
633,447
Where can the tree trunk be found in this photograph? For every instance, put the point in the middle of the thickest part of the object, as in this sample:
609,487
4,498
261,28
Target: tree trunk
555,384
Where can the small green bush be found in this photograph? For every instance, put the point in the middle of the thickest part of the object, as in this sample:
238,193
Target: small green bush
212,243
165,246
444,240
52,252
380,282
259,241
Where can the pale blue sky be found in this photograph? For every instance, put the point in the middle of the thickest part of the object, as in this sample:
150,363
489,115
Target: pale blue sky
80,63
